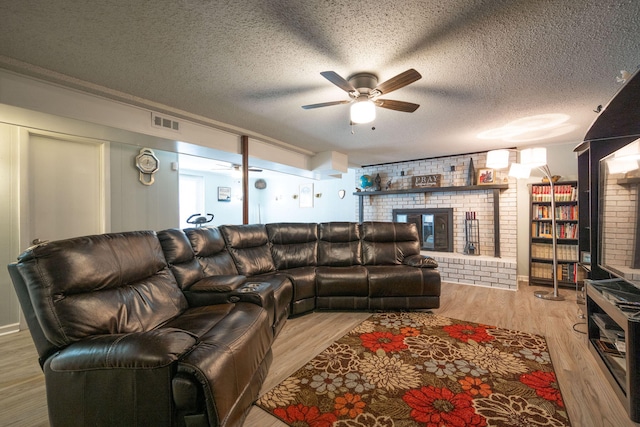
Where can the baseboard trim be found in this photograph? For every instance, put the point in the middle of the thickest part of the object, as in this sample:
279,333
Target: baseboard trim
9,329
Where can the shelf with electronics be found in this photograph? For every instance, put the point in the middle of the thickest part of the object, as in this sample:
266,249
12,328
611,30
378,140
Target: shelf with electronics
613,320
540,244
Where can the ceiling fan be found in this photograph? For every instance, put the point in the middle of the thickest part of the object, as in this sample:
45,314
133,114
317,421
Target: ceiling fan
365,92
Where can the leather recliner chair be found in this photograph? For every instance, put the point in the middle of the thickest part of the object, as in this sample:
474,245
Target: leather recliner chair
119,343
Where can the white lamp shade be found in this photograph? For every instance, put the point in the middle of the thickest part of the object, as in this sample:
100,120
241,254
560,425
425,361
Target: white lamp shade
363,111
533,157
518,170
498,159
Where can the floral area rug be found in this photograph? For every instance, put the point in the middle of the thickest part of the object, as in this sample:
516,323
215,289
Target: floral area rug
421,369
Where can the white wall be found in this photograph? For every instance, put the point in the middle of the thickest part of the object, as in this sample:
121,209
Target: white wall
224,212
135,206
276,203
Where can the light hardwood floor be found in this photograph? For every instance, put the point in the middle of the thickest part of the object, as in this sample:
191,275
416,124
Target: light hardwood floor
588,396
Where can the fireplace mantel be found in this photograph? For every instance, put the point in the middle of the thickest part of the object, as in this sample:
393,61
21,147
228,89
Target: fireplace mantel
434,190
494,188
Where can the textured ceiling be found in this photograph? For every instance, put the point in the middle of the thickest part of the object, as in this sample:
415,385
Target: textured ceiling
252,64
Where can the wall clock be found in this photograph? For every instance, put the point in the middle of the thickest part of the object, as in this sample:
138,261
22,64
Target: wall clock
260,184
147,164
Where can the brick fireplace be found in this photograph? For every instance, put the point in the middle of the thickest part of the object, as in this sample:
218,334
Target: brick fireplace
483,270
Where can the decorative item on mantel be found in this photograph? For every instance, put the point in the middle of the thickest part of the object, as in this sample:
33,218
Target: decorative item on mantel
421,181
366,182
471,234
377,181
471,174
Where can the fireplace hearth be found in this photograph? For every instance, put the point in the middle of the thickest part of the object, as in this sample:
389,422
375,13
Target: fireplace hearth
435,226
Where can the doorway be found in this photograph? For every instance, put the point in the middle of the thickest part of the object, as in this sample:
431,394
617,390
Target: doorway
62,187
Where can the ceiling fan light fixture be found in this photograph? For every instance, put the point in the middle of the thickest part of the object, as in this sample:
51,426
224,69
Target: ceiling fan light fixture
363,111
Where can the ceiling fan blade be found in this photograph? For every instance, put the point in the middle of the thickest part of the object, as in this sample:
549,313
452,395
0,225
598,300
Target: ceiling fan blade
325,104
337,80
406,107
399,81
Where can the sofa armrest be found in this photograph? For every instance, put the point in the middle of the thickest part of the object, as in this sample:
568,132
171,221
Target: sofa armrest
213,290
222,284
139,350
421,261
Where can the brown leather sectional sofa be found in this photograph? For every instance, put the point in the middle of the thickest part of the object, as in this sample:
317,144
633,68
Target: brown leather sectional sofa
175,328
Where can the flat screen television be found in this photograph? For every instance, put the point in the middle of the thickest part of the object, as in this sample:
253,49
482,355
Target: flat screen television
619,231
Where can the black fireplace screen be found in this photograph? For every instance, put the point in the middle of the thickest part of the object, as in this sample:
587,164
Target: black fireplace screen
434,225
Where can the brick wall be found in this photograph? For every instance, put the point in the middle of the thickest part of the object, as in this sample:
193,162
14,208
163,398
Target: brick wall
619,229
379,208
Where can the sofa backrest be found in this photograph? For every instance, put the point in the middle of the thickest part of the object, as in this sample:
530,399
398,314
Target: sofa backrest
339,244
249,247
180,256
105,284
293,244
388,242
211,252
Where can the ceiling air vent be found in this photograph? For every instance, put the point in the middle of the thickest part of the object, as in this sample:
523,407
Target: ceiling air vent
164,122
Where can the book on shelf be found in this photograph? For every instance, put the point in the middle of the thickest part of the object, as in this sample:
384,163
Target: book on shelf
563,231
565,212
545,251
606,347
566,272
563,193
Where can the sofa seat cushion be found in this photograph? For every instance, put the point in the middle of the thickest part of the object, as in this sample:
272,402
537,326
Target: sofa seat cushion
139,350
402,281
198,321
342,281
228,356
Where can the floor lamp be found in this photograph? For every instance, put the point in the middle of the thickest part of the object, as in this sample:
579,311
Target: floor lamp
531,158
